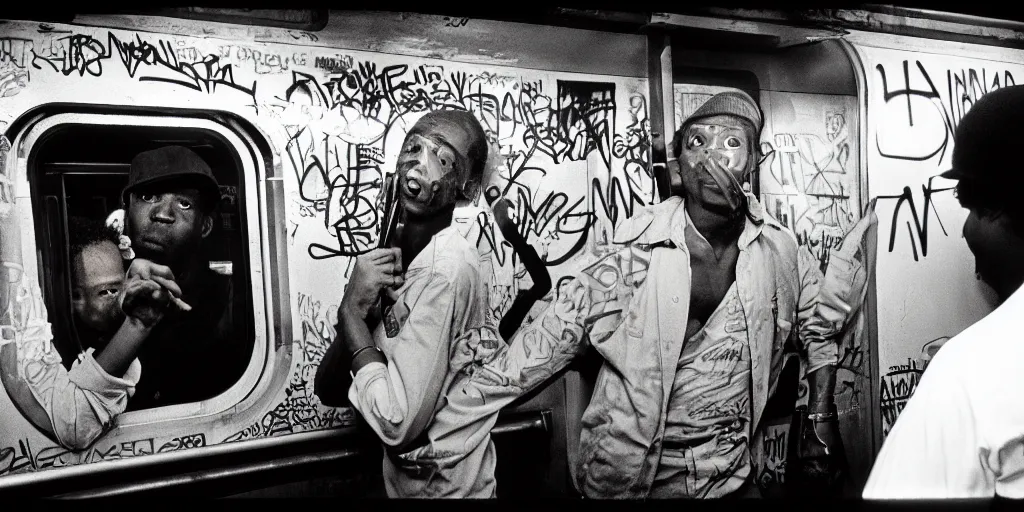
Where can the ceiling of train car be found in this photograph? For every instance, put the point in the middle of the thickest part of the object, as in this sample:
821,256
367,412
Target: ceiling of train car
77,145
628,16
1009,11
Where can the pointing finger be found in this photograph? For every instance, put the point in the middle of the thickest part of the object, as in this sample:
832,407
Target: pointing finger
171,286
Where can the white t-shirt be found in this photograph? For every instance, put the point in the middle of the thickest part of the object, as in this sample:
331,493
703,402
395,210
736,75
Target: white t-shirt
961,434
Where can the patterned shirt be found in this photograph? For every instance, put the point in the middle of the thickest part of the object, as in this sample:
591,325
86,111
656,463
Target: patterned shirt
707,428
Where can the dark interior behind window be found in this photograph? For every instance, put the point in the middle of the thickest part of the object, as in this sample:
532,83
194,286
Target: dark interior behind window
82,169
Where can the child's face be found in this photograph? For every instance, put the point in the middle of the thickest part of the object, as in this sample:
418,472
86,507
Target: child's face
97,279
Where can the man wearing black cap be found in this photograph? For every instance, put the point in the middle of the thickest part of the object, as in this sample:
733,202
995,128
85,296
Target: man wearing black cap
691,318
194,353
961,435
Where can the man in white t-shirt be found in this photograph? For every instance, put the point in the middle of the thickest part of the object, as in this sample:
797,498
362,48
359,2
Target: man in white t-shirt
962,433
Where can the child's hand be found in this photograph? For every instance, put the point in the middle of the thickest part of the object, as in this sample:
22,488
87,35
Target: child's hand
148,290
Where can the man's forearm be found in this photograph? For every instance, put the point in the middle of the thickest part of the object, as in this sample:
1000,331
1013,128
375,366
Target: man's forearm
356,337
822,383
331,375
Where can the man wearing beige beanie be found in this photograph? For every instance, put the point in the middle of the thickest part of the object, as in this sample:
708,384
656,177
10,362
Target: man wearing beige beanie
691,318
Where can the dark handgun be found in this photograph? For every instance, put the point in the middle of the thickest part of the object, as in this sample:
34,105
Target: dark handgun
391,228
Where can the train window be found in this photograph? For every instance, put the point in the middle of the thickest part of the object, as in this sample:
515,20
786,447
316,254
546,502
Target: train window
203,360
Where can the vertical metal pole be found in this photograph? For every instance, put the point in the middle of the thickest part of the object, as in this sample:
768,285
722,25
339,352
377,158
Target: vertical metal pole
659,79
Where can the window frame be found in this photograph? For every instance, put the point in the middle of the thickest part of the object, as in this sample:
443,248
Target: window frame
263,364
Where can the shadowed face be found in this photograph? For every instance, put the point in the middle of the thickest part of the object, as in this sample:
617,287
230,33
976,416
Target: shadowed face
97,279
166,223
716,158
986,240
433,167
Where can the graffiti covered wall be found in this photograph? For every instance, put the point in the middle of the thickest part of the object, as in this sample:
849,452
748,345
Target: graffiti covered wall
570,150
916,99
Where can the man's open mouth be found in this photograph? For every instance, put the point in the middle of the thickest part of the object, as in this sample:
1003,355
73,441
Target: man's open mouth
412,188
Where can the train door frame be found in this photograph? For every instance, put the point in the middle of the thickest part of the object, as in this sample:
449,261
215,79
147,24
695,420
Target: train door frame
661,55
871,300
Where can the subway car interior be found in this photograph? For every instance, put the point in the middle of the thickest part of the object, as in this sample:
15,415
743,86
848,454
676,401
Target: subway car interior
814,74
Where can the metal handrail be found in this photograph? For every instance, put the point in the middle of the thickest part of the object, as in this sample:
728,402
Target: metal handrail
520,422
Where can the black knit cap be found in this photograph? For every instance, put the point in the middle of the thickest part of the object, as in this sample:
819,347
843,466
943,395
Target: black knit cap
988,137
173,163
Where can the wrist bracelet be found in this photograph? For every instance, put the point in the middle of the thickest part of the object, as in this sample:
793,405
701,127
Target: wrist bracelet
821,416
360,351
356,353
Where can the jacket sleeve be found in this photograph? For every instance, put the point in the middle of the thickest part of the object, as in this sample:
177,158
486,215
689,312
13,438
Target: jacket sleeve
81,403
829,301
416,371
818,333
582,309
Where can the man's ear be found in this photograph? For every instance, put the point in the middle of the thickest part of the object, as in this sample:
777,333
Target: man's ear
207,225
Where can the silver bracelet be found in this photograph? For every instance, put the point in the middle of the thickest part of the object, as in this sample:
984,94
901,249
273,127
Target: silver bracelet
819,416
356,353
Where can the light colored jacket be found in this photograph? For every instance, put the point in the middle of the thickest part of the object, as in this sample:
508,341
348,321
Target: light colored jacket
637,325
444,295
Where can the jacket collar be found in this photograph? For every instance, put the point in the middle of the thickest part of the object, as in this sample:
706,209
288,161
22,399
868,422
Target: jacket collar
464,224
666,221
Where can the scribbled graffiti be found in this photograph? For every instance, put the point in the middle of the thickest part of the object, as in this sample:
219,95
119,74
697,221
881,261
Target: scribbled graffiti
586,118
259,61
897,387
810,185
164,62
15,51
686,103
921,117
849,369
12,81
337,64
14,54
918,234
340,129
301,411
773,460
183,443
24,457
455,22
920,111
